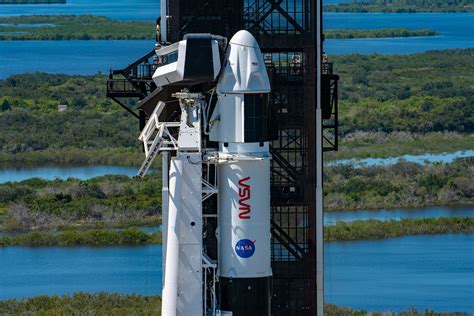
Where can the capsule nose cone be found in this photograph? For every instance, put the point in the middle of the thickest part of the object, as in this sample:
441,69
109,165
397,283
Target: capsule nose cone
244,38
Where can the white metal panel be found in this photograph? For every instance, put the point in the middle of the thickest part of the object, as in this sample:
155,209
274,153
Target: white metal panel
244,219
164,209
190,129
230,126
172,72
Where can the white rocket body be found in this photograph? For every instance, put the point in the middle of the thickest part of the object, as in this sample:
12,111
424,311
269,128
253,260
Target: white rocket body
244,179
244,218
239,123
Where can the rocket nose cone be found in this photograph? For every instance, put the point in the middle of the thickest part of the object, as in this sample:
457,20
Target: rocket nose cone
244,38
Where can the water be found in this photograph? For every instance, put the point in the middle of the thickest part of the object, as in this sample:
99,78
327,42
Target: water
331,218
426,272
145,10
432,272
50,173
30,272
89,57
455,30
69,57
419,159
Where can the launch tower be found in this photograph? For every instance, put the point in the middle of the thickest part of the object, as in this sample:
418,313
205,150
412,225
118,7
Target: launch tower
303,125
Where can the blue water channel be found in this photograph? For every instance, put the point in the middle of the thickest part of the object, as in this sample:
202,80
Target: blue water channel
419,159
87,172
433,272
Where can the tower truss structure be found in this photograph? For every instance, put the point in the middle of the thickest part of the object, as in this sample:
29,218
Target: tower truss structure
291,39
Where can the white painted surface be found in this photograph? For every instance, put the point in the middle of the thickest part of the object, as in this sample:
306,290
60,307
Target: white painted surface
235,225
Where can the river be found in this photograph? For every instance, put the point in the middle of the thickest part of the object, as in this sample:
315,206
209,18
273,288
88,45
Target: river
419,159
432,272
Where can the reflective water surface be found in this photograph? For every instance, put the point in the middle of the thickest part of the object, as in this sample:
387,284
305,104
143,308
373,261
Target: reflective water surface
433,272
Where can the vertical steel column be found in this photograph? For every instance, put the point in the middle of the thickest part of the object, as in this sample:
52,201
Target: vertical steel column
319,169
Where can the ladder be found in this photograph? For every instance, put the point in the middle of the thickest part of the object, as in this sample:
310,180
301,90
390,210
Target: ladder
156,137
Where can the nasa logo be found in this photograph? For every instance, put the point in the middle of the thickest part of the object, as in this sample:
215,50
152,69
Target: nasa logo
244,194
245,248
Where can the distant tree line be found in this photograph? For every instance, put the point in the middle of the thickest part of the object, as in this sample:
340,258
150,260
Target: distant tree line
377,33
377,229
402,6
72,27
68,238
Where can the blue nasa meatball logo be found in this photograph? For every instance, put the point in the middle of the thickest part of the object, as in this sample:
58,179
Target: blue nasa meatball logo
245,248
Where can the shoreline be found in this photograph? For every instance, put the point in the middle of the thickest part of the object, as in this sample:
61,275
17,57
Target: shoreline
341,231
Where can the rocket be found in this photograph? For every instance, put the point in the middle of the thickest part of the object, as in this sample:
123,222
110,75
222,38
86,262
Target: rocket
227,133
244,180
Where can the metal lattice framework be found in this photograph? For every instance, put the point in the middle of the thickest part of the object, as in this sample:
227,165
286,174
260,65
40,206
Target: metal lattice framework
286,32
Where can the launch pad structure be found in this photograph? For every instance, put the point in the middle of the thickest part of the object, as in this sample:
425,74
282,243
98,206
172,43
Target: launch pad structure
302,124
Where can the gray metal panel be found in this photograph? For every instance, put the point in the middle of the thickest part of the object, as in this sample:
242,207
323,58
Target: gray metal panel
190,238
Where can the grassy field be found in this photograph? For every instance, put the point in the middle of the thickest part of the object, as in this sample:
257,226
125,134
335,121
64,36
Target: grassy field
70,238
403,185
105,304
103,202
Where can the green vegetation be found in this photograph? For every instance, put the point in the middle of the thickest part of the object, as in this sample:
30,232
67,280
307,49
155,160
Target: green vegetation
333,310
378,33
421,93
71,27
375,229
402,6
120,156
383,145
103,202
32,2
406,101
118,201
401,185
100,304
68,238
91,130
105,304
